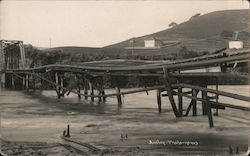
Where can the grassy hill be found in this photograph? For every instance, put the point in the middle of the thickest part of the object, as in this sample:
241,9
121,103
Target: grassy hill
201,33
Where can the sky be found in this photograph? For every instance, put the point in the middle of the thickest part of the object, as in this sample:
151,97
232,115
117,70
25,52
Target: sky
97,23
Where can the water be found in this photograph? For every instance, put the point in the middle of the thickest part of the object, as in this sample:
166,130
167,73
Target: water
40,116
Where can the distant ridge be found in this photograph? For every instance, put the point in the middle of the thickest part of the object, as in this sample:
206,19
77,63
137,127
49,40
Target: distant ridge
201,33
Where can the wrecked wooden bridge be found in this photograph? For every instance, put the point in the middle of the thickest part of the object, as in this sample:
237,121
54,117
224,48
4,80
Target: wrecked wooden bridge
183,78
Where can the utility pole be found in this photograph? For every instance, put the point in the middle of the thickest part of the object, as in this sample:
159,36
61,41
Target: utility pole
50,42
132,42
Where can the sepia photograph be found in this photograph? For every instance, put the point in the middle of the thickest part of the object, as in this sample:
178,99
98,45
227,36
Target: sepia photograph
124,78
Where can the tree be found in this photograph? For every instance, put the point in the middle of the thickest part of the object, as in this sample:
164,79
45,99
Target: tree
172,24
243,35
195,16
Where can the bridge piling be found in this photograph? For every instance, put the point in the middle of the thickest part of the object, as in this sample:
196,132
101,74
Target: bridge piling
62,84
57,87
119,98
217,98
86,89
180,103
91,91
209,113
12,81
3,80
158,95
204,96
194,94
103,93
79,91
27,81
23,82
168,88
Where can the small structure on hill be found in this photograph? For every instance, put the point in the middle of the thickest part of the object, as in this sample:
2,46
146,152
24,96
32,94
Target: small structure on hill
236,43
152,42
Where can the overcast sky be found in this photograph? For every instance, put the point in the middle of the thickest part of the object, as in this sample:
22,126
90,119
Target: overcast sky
96,23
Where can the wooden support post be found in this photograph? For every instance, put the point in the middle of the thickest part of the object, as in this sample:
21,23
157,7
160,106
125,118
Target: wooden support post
3,80
119,98
27,81
91,91
204,96
23,82
209,113
168,88
68,131
12,81
103,93
79,91
194,103
86,89
158,95
217,98
99,98
57,87
180,103
62,84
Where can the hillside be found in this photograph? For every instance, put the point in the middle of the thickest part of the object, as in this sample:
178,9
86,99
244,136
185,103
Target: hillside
202,33
197,36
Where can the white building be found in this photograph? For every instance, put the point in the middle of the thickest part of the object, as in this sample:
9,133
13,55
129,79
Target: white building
152,43
235,44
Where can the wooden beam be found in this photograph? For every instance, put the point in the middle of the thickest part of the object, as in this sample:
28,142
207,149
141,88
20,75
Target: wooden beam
168,88
119,98
187,92
204,96
191,104
58,89
91,91
86,89
180,102
158,96
209,113
194,103
231,95
219,104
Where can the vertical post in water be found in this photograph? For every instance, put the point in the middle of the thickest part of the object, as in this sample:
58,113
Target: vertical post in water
86,89
103,93
204,97
99,93
180,102
57,87
79,91
12,81
27,81
62,84
23,82
91,92
119,98
3,80
158,95
217,98
209,113
68,131
169,90
103,90
194,103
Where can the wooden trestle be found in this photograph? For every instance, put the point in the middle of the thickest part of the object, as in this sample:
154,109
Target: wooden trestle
164,77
